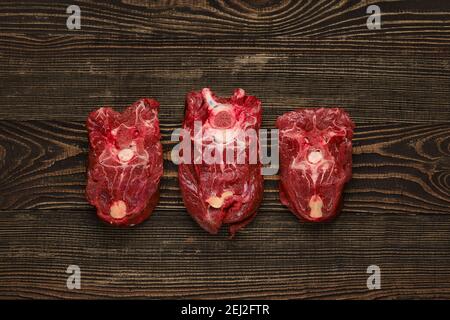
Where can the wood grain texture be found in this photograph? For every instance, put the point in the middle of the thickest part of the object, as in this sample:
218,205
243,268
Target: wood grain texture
372,81
394,82
396,168
331,19
276,257
288,53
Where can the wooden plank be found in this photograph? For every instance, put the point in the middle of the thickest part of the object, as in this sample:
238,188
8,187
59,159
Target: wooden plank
218,19
398,168
64,79
393,81
275,257
288,53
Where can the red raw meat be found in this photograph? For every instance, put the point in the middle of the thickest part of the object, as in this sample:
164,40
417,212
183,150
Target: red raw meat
125,162
228,193
315,161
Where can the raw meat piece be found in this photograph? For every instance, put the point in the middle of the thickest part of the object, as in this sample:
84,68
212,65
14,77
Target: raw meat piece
315,161
125,162
227,193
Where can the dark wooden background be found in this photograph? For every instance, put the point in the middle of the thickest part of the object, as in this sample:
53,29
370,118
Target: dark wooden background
395,83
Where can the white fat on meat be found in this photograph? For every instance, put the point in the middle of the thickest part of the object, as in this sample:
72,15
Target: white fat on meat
217,202
125,155
314,163
118,209
316,204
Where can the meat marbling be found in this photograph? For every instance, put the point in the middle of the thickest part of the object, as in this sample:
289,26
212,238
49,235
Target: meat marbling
315,161
230,192
125,162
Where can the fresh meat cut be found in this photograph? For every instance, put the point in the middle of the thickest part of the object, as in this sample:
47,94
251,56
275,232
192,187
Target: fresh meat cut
315,161
125,162
229,189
